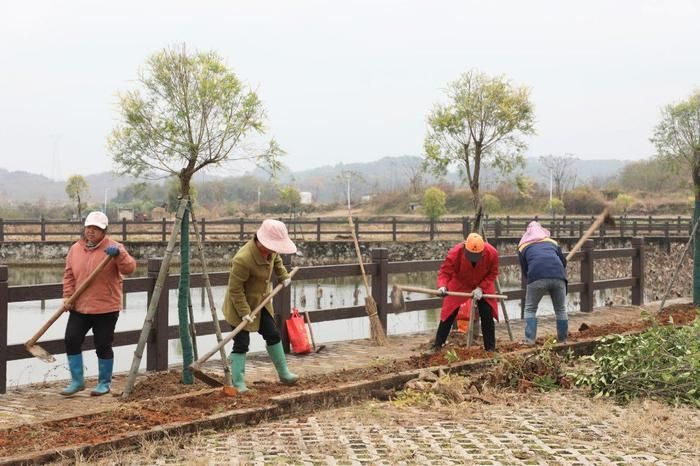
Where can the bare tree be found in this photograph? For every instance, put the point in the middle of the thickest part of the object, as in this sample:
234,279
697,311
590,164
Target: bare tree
560,168
415,172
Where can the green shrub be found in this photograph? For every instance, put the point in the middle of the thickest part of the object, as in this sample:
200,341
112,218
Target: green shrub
556,205
661,363
491,203
623,202
434,203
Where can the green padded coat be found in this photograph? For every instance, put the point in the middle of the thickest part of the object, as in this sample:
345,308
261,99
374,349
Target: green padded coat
249,282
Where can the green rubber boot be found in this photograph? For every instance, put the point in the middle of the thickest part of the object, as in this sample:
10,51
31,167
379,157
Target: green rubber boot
280,361
237,361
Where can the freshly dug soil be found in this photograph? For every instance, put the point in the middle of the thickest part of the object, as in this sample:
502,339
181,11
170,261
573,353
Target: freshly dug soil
153,401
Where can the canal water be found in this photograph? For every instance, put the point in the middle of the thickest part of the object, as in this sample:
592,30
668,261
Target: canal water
314,296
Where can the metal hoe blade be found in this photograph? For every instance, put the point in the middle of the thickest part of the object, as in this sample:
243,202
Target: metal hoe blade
39,352
207,379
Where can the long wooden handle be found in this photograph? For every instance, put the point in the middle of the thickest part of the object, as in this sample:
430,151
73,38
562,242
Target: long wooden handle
359,254
311,330
588,233
418,289
243,323
83,286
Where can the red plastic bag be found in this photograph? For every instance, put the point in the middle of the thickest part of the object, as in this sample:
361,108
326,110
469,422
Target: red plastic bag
465,310
296,329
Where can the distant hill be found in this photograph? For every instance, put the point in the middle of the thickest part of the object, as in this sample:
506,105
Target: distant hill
20,186
327,183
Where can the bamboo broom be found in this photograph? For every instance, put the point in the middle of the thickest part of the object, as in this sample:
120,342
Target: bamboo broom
376,328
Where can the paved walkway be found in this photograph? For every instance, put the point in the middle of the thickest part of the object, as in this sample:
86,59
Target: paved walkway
41,402
562,428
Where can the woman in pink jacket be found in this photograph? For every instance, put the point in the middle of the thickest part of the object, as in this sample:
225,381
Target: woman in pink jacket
470,267
98,307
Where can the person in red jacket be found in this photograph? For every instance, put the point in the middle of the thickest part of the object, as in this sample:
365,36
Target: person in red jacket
98,307
470,267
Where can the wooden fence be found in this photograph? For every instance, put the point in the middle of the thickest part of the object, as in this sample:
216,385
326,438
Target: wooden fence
369,229
380,269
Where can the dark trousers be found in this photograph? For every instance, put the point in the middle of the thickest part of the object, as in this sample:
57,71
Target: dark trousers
102,326
488,328
268,330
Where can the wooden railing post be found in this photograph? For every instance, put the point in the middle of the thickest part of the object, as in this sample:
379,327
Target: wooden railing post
523,286
163,231
157,347
4,298
124,236
380,283
203,224
587,276
356,221
43,228
2,230
432,229
465,227
638,271
393,228
667,237
621,219
563,224
318,228
241,229
282,303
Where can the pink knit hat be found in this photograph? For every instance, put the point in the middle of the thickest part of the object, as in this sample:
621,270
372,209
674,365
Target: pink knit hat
273,235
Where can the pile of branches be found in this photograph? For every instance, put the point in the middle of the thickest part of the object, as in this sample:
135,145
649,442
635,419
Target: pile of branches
542,370
662,363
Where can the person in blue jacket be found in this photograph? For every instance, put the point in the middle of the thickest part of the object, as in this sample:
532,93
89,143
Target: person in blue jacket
544,265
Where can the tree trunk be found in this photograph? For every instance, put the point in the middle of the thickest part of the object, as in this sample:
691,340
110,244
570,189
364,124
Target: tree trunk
153,304
696,240
474,184
183,294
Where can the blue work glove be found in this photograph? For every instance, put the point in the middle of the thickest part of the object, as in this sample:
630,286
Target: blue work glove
112,251
442,291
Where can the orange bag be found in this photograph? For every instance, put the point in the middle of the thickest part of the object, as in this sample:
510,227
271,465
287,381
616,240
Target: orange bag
464,310
296,329
463,316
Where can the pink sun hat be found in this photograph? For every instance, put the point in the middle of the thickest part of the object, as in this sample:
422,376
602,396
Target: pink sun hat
273,235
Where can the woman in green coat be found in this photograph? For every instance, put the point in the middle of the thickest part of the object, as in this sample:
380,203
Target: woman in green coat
248,284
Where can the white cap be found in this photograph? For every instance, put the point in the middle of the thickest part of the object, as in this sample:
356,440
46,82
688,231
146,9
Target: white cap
97,219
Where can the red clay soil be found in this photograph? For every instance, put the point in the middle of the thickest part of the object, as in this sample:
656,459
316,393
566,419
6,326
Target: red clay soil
149,406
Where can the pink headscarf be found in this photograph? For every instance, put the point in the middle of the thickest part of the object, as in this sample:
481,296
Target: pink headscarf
534,232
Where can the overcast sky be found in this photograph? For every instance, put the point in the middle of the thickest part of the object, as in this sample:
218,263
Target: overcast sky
348,81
